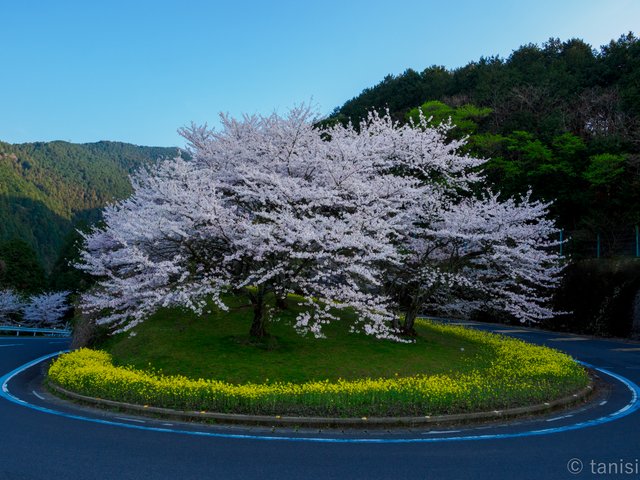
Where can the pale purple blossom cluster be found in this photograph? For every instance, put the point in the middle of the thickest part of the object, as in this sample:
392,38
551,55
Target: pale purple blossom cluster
347,218
44,310
11,304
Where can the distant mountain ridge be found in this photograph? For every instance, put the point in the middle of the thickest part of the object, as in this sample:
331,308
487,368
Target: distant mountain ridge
46,188
555,87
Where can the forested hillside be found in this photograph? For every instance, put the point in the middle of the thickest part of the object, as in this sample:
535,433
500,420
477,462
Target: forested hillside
48,188
561,119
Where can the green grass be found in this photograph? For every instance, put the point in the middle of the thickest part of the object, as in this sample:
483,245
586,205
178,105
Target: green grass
217,346
176,360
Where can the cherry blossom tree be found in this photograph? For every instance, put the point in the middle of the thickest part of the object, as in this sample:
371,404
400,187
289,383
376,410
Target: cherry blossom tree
273,205
11,305
47,309
480,254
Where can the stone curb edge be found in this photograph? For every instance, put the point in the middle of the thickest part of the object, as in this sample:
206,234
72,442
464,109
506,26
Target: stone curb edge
329,422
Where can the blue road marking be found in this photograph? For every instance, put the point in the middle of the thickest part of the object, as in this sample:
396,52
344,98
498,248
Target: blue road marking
631,407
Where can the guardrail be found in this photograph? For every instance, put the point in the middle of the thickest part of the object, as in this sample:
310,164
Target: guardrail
55,332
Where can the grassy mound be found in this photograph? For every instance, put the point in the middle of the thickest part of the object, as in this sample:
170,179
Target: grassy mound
217,346
449,369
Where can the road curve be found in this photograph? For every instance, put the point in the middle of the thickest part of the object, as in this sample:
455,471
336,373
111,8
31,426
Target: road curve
86,444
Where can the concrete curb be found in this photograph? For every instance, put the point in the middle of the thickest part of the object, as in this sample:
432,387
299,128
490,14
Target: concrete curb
330,422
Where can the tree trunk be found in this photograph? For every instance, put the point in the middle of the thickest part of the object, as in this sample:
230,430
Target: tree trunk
410,320
281,302
259,324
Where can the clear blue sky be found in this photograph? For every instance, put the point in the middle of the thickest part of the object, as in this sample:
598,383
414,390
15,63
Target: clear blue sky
135,71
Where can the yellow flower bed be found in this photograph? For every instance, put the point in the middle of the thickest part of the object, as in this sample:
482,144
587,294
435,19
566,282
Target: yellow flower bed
520,374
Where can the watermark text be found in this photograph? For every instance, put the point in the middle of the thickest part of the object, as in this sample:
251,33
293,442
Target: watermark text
621,467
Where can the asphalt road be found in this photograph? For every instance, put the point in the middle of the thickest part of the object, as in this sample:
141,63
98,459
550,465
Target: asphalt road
62,441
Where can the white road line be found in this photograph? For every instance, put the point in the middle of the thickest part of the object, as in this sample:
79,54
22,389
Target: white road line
131,419
559,418
630,349
11,344
604,402
37,394
168,424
